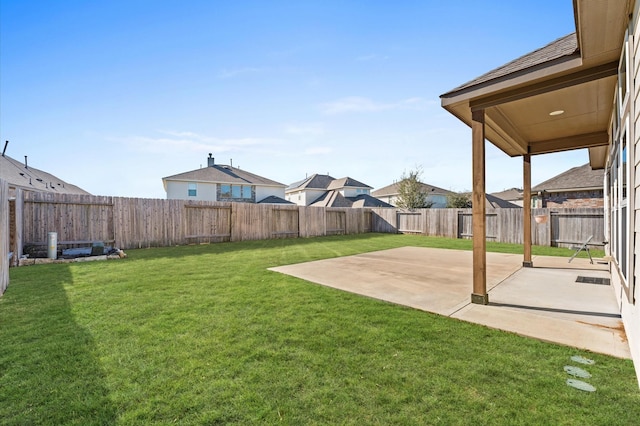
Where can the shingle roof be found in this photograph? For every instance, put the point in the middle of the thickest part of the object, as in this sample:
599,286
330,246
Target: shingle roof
223,174
347,182
513,194
574,179
498,203
272,199
331,199
392,189
494,202
314,181
32,179
366,200
564,46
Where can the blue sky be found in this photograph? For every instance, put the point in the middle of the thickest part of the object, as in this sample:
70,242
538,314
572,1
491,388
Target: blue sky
114,95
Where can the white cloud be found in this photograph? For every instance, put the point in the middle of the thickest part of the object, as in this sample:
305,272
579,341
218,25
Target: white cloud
190,142
362,104
318,150
311,129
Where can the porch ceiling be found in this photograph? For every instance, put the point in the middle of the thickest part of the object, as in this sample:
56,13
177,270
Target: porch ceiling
578,78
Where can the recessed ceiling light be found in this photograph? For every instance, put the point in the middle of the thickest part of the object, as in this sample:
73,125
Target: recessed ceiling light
557,112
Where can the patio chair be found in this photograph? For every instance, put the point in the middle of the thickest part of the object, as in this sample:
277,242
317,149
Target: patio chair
584,246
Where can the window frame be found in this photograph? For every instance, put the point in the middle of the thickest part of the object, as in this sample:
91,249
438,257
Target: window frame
192,189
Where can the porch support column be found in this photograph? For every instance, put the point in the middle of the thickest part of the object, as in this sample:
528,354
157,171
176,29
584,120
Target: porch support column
526,210
479,294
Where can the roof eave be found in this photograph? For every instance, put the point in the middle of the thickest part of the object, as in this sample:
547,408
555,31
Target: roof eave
557,190
522,78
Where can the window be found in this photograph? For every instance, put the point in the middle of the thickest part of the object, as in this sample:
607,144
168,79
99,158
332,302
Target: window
246,191
192,190
617,179
236,191
362,191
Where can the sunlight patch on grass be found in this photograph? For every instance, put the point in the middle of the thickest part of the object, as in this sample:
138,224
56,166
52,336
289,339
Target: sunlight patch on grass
205,335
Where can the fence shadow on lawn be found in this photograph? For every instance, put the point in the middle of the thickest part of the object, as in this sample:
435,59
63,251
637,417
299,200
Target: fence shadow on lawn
229,247
50,370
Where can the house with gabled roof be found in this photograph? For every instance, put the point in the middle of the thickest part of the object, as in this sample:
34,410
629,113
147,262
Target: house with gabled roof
326,191
512,195
435,196
308,190
219,182
493,202
20,175
577,187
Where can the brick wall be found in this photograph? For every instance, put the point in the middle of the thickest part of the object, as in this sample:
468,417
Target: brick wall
579,199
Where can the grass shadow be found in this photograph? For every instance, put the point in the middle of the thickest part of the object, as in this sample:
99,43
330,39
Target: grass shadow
49,370
242,246
360,242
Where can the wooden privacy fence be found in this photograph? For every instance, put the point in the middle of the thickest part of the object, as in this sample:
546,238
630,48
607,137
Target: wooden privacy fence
136,222
550,227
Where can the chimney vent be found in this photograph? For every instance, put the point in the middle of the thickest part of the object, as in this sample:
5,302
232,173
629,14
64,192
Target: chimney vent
5,147
211,161
25,163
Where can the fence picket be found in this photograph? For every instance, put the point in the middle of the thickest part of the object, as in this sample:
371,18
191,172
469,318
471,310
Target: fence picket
137,223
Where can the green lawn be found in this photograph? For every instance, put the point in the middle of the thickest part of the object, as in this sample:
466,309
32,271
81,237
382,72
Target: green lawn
206,335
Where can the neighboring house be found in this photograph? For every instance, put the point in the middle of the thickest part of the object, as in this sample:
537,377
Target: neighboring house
498,203
308,190
325,191
577,187
578,92
218,182
493,202
512,195
436,196
22,176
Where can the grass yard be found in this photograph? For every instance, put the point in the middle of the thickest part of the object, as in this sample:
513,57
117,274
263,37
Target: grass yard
206,335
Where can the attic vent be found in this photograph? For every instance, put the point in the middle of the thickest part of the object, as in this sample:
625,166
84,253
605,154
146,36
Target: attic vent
39,180
21,174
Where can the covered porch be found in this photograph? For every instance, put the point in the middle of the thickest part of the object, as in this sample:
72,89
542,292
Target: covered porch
557,98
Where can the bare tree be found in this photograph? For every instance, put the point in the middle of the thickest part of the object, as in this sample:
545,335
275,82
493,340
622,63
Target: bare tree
410,194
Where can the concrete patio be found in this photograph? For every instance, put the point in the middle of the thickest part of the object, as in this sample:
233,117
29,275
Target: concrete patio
544,302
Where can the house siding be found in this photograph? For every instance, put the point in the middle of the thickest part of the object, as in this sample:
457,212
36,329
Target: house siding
630,304
208,191
262,192
439,200
305,197
179,190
